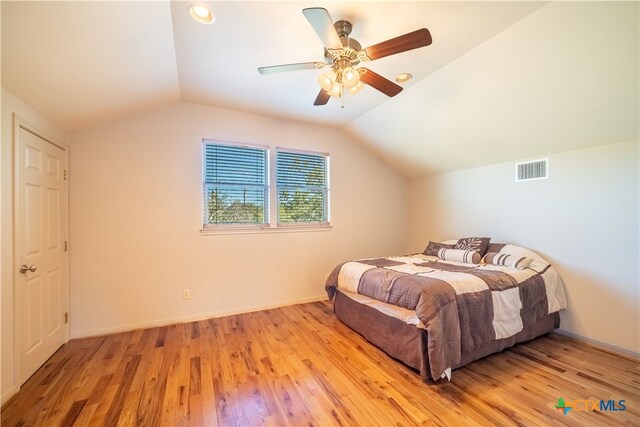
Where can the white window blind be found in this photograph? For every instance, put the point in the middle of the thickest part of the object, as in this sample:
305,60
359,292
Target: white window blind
302,180
235,184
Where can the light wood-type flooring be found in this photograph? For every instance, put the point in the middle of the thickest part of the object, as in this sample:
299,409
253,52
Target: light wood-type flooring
299,365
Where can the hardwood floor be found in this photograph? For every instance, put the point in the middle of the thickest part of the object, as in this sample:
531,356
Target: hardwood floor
298,366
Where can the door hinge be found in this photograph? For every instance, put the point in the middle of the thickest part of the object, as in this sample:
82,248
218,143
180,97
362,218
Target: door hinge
66,317
65,174
66,246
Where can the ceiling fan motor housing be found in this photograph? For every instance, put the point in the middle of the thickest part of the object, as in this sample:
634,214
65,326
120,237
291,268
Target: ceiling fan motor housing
348,54
343,28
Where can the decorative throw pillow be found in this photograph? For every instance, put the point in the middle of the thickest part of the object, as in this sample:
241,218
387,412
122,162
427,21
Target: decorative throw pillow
538,263
495,247
468,256
479,244
507,260
433,248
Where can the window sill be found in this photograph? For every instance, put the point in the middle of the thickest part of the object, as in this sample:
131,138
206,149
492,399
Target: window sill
266,230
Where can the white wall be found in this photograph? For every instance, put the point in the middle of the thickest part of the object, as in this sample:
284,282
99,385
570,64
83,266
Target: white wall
584,219
136,211
10,105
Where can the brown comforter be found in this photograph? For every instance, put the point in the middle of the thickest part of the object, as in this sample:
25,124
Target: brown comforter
462,306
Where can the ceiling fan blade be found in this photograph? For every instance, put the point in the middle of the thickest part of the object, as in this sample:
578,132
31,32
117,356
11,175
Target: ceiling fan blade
322,98
375,80
409,41
291,67
321,22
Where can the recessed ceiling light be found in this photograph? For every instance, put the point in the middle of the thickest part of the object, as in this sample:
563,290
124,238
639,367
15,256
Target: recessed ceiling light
404,77
201,13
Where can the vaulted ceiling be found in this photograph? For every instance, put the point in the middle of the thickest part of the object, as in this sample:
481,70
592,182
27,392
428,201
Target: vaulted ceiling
501,81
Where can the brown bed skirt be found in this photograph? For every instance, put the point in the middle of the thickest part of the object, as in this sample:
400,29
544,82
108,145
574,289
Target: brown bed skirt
408,343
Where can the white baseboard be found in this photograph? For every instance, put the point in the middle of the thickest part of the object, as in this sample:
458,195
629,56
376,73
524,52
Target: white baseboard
191,318
9,394
597,343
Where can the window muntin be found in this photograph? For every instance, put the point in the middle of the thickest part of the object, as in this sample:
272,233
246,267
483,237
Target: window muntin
302,180
236,190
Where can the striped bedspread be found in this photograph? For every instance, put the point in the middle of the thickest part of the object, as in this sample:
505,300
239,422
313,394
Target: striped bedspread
462,306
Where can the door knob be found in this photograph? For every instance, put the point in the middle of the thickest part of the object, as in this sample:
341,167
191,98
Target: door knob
24,268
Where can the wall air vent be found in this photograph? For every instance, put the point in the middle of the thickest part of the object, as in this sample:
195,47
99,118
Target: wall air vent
536,169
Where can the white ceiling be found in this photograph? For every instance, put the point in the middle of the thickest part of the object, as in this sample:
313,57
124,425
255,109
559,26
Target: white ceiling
502,80
81,63
217,64
565,77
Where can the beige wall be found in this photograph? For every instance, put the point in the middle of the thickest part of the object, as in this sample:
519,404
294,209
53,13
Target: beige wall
584,219
136,209
10,105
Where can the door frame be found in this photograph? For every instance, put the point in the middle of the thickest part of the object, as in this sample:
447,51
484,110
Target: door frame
20,122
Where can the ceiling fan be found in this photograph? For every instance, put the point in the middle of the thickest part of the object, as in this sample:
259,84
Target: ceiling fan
343,54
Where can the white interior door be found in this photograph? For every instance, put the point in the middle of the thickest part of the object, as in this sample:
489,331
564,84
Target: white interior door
41,250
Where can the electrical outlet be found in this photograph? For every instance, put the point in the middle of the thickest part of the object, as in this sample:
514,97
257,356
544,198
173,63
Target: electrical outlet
186,294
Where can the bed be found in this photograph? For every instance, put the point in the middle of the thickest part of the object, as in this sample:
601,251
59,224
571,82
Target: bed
455,303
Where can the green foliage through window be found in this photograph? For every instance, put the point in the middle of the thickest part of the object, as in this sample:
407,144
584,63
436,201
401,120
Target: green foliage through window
302,181
230,207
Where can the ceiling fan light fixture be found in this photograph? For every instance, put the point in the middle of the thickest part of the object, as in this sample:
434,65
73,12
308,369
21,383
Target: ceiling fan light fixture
336,90
327,79
404,77
201,13
357,88
350,77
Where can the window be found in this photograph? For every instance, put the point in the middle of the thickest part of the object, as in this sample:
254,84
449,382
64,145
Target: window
236,188
237,196
302,187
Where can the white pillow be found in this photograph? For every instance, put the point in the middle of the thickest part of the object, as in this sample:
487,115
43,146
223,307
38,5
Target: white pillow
537,262
468,256
507,260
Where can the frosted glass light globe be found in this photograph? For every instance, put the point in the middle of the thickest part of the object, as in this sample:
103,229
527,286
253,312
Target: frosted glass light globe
350,77
326,80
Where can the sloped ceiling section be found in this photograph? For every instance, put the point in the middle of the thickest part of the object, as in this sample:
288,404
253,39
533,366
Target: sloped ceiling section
563,78
82,62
